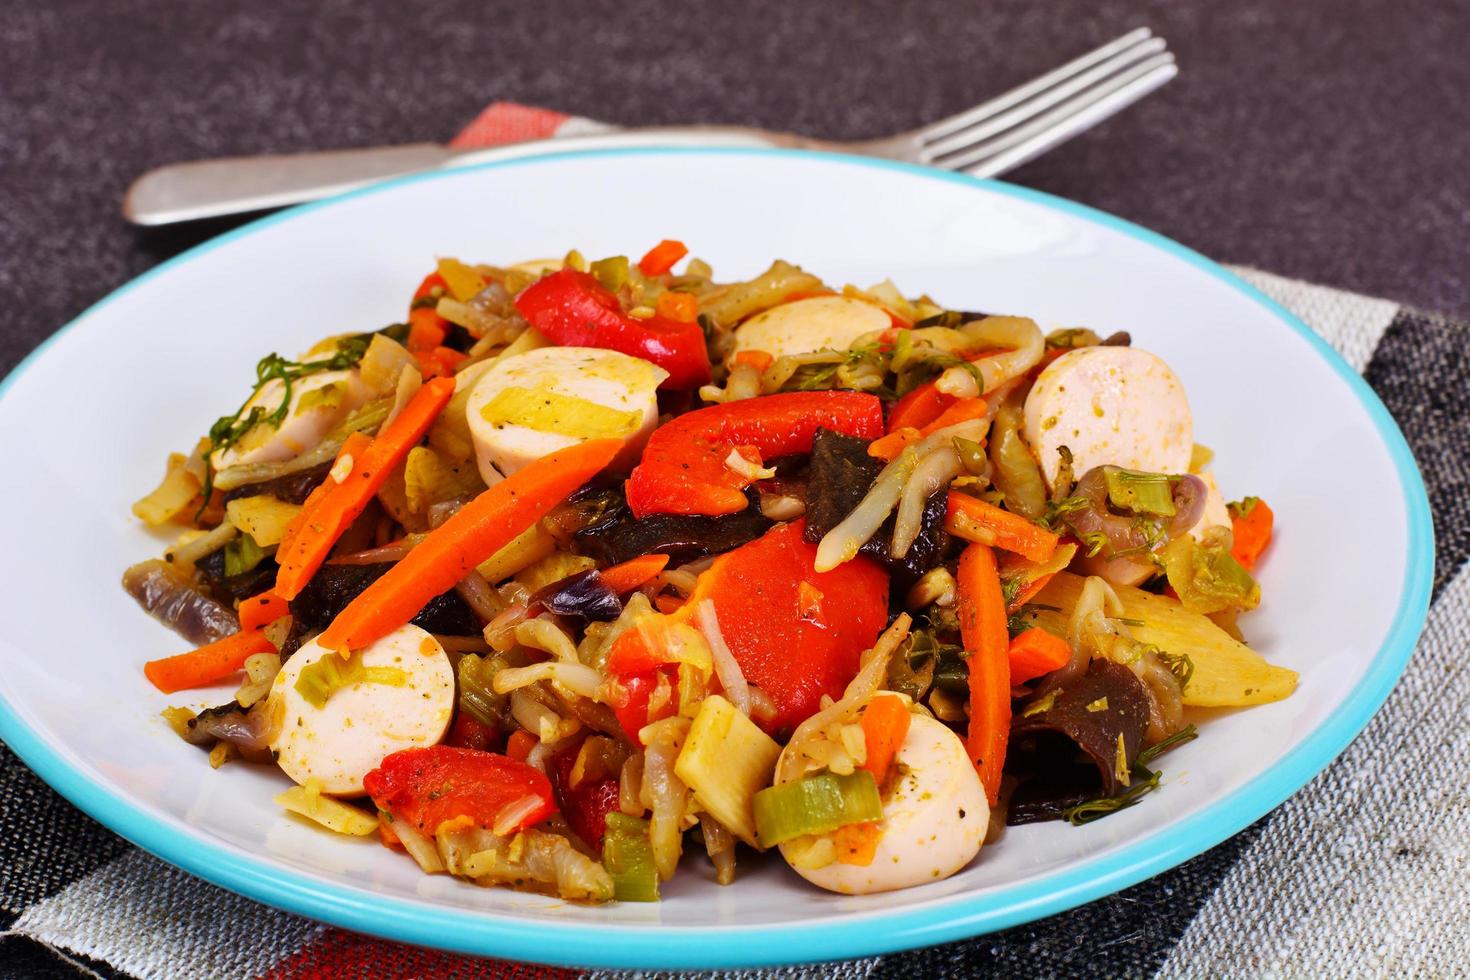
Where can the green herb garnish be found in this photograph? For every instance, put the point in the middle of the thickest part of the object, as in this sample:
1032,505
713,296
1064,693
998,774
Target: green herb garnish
228,430
1143,781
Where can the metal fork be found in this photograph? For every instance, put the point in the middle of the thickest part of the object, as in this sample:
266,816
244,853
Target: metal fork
986,140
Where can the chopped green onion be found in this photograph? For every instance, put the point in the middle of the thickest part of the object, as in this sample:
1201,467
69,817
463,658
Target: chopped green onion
816,805
612,271
320,680
1141,493
627,854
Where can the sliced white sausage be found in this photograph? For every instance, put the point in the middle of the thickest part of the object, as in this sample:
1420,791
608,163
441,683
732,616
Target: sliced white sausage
1109,405
818,323
934,819
535,403
329,397
363,723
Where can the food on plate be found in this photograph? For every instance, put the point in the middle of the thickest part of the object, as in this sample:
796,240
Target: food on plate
587,564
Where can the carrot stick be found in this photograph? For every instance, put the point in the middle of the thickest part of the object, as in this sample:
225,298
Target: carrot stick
919,407
888,447
259,611
982,610
661,258
758,359
961,411
683,307
334,512
475,532
885,725
1009,531
634,572
355,445
1036,652
1252,529
208,664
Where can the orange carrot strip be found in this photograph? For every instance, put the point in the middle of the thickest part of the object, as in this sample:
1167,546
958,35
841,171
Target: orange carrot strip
888,447
261,610
885,725
475,532
355,445
961,411
1030,591
668,604
683,307
303,553
208,664
1036,652
919,407
520,744
758,359
661,258
857,843
1011,531
634,572
1252,534
982,610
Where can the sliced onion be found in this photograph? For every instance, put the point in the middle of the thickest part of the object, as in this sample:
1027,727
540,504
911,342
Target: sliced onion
934,471
1022,342
579,679
841,544
514,814
726,668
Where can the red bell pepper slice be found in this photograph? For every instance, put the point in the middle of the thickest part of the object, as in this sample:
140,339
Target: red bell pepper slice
587,804
684,471
427,786
796,633
573,309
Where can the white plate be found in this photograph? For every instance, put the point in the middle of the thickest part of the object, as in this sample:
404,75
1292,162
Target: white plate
86,422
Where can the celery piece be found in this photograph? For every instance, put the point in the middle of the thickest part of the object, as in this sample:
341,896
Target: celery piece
242,555
612,271
1142,493
627,854
816,805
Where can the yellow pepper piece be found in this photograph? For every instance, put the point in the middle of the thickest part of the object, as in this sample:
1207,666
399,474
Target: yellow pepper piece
463,281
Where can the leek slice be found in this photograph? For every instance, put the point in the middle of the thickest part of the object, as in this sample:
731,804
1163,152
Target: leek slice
627,854
816,805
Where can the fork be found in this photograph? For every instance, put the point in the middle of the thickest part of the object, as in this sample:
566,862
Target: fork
985,141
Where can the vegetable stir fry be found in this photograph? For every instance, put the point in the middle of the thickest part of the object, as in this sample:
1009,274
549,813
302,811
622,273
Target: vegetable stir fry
589,563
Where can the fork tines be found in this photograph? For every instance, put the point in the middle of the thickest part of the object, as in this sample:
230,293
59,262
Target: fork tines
1012,128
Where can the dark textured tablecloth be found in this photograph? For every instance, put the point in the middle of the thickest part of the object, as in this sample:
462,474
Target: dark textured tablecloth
1325,141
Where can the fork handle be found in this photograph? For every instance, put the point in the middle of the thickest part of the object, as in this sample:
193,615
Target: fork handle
238,185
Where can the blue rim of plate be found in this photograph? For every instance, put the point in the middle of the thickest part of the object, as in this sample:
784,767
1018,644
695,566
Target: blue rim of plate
505,936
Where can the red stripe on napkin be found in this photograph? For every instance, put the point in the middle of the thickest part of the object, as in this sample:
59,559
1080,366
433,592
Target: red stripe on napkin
509,122
336,954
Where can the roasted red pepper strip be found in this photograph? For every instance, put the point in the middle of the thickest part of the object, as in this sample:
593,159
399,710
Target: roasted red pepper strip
428,786
575,310
587,804
796,633
684,470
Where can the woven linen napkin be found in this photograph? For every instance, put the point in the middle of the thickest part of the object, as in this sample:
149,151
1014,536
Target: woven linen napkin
1360,874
